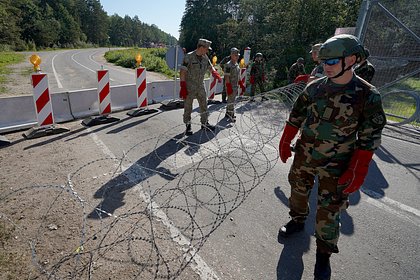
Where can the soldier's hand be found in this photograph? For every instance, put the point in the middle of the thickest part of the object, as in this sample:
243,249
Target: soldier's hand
289,133
183,91
229,89
216,75
356,173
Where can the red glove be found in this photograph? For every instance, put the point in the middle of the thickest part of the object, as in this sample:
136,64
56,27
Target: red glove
354,176
289,133
252,80
241,84
183,92
229,89
216,75
263,78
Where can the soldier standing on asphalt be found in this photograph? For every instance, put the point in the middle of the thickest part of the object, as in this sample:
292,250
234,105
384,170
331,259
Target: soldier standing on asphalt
232,82
192,71
296,69
222,64
365,69
341,120
257,75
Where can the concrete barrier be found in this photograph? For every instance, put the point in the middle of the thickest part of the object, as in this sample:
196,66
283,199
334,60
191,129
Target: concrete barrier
17,113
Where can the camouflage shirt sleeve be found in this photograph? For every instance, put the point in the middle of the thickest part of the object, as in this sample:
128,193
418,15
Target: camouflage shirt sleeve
372,123
299,110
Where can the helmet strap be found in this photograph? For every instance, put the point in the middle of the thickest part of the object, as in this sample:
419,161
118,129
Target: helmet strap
343,69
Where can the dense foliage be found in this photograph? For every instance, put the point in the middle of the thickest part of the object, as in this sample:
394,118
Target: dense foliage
282,30
32,24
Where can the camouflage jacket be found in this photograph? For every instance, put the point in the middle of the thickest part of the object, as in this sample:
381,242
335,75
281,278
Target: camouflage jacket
365,71
336,119
295,70
196,67
257,70
232,70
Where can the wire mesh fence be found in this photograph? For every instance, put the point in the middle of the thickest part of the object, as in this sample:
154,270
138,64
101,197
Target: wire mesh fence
389,29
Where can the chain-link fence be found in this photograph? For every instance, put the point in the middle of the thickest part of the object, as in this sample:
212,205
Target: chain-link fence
390,30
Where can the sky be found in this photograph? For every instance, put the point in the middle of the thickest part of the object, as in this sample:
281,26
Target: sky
165,14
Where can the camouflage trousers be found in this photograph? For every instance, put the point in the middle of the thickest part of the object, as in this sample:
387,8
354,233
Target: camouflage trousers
330,201
258,83
230,107
201,97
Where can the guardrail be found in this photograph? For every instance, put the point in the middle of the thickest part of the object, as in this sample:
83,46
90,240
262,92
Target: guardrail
18,112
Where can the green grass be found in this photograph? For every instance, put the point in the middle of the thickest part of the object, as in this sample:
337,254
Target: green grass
7,59
153,59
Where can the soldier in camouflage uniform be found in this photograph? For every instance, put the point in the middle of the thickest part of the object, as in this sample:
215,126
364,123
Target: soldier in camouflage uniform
365,69
341,120
296,69
232,83
192,71
222,64
318,70
257,75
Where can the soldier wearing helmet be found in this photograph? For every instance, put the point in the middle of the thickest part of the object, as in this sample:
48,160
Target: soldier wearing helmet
297,68
257,74
341,120
232,83
365,69
318,71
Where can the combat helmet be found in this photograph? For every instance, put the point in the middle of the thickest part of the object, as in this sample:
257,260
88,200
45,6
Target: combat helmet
340,46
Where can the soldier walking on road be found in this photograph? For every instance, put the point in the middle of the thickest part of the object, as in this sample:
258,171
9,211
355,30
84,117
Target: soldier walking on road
341,120
232,82
192,71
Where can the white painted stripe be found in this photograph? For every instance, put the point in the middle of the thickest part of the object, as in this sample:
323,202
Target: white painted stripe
197,264
55,73
398,209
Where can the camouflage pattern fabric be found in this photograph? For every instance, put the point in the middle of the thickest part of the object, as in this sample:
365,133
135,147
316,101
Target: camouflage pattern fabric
334,121
318,71
365,71
232,71
257,70
295,70
196,67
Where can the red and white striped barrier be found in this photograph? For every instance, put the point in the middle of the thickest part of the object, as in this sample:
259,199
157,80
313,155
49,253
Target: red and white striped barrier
243,79
104,94
141,87
212,87
42,98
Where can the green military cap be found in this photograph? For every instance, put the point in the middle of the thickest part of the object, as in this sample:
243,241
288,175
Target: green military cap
234,51
204,43
316,47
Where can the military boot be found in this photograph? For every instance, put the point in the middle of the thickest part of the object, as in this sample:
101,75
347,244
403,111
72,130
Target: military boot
208,127
290,228
322,266
188,130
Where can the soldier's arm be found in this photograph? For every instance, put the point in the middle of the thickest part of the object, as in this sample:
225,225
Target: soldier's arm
372,123
298,113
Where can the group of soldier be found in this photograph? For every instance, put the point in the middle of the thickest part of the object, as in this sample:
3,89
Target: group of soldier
337,119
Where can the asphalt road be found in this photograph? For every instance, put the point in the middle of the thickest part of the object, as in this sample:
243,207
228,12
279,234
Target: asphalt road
76,69
222,196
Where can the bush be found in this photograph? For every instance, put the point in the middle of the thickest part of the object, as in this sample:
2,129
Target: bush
153,59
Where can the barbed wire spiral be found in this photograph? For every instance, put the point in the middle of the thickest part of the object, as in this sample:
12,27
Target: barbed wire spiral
152,210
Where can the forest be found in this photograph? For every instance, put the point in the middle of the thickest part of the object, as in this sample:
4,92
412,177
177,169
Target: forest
39,24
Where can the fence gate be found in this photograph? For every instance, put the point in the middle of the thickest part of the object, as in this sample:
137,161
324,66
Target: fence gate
390,30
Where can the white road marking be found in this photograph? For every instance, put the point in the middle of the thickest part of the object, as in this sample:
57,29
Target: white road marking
197,264
94,71
394,207
55,72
